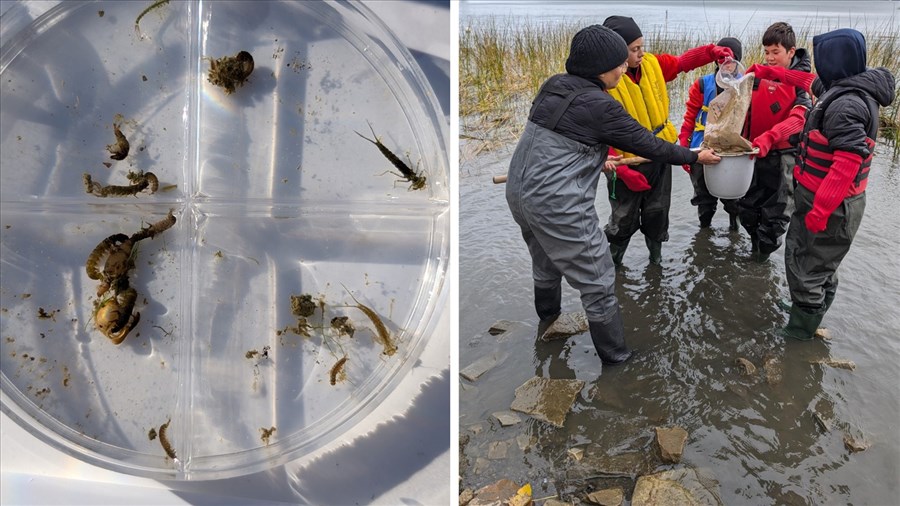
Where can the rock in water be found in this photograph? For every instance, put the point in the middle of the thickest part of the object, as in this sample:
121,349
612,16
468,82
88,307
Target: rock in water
565,326
671,443
679,486
545,399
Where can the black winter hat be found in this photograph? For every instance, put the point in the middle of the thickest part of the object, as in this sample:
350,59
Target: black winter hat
624,26
595,50
734,45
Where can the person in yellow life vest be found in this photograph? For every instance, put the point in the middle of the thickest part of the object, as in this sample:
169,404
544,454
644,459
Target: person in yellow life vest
642,92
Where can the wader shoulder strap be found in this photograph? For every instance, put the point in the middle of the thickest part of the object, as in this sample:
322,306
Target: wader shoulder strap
561,108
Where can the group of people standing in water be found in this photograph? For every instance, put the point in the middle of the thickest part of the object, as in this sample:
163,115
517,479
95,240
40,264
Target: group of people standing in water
813,136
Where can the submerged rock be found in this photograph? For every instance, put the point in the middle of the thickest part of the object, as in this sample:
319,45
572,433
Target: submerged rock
496,493
576,453
500,327
746,366
497,450
465,496
507,418
484,364
565,326
524,441
608,497
854,445
597,464
545,399
691,487
837,363
774,371
671,443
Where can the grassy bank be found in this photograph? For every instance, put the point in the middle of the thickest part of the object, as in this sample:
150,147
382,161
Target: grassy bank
502,65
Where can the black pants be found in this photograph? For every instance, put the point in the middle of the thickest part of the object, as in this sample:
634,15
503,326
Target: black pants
647,211
764,208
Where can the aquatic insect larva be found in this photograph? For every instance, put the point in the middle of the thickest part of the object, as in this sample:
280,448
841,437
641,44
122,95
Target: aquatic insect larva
106,245
337,369
137,26
416,180
140,181
159,227
164,439
119,150
381,332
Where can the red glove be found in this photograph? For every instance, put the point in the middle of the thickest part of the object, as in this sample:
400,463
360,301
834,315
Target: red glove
833,189
720,53
790,77
764,143
634,180
687,168
698,57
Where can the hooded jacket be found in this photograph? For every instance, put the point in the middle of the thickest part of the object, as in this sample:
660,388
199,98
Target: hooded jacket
848,119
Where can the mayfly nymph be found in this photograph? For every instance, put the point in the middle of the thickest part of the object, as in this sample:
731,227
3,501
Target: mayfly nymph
140,181
381,332
230,72
337,371
266,434
119,150
416,179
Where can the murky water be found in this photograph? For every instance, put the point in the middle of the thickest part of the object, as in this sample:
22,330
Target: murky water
689,319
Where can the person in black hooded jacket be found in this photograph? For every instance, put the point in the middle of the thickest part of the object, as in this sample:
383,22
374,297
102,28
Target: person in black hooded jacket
552,182
832,170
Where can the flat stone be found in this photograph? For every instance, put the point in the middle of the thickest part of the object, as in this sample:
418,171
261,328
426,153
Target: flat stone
555,502
496,493
465,496
565,326
545,399
671,443
576,453
854,445
599,464
484,364
500,327
497,450
507,418
524,441
481,464
684,486
608,497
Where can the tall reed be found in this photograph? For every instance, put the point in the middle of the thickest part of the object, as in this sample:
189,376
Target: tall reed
502,66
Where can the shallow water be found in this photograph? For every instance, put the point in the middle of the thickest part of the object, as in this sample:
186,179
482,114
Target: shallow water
689,319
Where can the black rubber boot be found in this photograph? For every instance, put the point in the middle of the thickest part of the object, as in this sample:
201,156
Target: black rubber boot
609,339
547,302
655,248
618,251
802,324
706,218
734,222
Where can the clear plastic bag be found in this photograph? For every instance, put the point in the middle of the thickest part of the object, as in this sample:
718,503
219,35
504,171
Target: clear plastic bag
727,111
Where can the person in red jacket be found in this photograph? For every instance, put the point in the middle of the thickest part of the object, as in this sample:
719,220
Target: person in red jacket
832,170
639,197
693,127
774,120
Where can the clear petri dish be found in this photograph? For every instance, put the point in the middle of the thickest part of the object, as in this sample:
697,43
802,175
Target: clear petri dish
275,195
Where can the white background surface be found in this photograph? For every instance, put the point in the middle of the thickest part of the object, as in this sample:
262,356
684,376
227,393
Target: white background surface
399,454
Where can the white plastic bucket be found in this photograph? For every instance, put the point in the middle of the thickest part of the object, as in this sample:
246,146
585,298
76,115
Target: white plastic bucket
731,177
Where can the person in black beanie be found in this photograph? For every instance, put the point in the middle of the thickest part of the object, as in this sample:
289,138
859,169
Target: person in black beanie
553,176
642,91
701,93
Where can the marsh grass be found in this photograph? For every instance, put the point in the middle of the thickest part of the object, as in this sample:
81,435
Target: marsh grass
502,66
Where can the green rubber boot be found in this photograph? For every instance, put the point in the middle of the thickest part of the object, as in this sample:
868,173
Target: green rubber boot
802,325
618,252
655,248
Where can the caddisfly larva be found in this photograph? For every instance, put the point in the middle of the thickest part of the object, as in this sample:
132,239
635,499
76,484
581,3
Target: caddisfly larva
381,332
140,181
119,150
338,370
164,439
416,179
